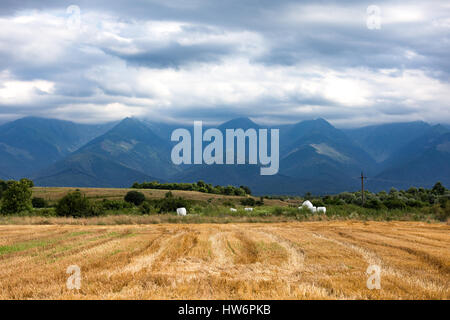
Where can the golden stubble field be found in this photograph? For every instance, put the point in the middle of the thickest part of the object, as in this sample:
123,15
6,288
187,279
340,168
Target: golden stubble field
309,260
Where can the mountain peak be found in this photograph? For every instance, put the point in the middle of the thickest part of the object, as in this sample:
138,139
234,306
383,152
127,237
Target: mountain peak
130,120
309,125
439,128
239,123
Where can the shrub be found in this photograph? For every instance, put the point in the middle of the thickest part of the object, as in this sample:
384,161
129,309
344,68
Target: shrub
168,194
74,204
169,204
17,197
3,187
394,203
134,197
318,203
39,202
277,211
226,203
246,189
47,212
115,204
374,204
438,189
414,203
145,208
260,202
248,202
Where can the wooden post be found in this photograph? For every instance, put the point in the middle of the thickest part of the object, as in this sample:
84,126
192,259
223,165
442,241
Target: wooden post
362,187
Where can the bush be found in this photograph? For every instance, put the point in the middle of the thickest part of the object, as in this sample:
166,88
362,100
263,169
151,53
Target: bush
248,202
74,204
277,211
115,204
134,197
145,208
17,197
260,202
169,204
394,203
442,213
3,187
438,189
200,186
226,203
39,202
317,203
374,204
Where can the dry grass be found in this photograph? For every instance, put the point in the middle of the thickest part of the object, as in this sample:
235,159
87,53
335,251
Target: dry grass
124,219
311,260
53,194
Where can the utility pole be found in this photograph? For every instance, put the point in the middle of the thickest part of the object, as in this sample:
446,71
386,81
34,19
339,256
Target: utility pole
362,187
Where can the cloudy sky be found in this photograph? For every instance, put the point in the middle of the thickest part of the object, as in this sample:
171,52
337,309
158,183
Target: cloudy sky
184,60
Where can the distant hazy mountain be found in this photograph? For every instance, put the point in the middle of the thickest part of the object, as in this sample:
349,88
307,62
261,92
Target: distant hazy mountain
164,130
381,141
242,174
130,145
324,156
314,156
30,144
89,170
223,174
422,162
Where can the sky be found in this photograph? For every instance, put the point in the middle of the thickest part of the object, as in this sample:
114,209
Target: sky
353,63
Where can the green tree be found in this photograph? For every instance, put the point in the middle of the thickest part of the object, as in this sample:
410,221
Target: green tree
75,204
28,182
374,203
438,188
39,202
17,197
246,189
168,195
248,202
135,197
201,184
3,187
145,208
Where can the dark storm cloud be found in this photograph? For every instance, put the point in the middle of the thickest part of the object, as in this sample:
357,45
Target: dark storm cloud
174,55
274,44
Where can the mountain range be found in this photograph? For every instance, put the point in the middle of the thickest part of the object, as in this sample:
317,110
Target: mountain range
314,156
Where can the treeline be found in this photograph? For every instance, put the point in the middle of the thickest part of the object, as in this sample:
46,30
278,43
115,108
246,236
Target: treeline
437,198
16,198
394,199
200,186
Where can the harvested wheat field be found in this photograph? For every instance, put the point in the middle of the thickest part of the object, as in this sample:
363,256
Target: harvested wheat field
310,260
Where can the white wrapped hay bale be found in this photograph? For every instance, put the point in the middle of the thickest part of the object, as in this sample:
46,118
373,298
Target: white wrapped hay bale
233,210
313,209
181,211
307,204
321,210
248,209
